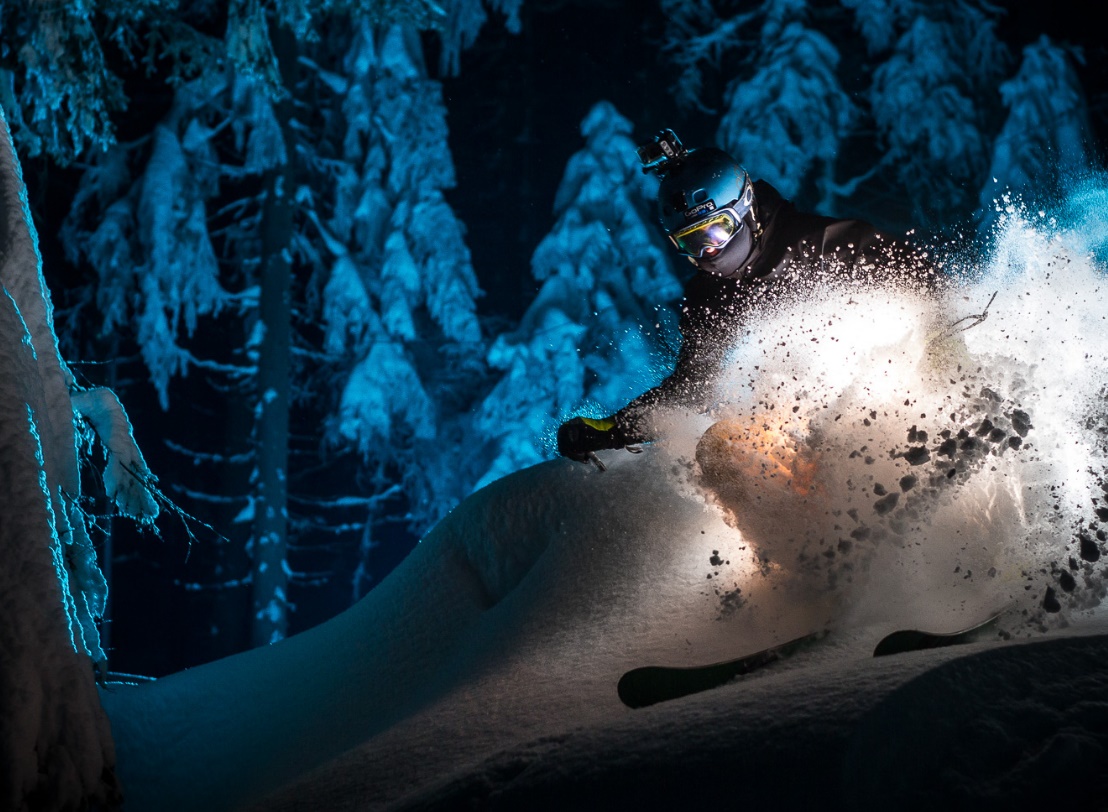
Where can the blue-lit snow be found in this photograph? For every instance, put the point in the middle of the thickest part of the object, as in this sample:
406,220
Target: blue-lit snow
1045,141
484,668
802,109
399,256
126,477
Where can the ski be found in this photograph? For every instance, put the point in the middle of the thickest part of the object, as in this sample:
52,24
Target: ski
651,684
917,640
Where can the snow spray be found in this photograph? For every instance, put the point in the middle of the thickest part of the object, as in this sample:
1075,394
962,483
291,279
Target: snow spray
928,452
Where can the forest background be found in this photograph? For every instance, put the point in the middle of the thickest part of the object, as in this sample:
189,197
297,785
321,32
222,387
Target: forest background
345,262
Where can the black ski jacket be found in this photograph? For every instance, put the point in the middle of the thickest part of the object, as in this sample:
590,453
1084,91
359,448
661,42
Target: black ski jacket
794,251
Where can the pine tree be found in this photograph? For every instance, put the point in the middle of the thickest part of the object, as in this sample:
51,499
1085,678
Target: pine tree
55,85
399,306
788,118
299,190
1044,146
785,115
595,335
930,100
907,152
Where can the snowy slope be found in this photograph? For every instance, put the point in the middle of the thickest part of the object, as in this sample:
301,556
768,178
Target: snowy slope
474,689
510,624
983,725
532,720
946,475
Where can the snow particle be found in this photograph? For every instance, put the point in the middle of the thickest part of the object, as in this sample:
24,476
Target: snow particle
886,503
1050,601
917,455
1089,550
1066,581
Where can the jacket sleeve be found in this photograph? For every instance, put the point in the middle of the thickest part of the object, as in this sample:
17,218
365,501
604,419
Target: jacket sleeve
713,308
690,384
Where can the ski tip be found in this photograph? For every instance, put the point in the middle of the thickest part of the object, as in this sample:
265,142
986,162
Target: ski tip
649,685
634,688
906,640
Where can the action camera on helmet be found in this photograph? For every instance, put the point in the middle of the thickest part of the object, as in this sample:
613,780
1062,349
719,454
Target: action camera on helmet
663,153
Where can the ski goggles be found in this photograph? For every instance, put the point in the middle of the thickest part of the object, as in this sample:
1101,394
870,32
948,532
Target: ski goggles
714,231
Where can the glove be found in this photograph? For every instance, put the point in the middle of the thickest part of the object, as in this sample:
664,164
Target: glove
579,437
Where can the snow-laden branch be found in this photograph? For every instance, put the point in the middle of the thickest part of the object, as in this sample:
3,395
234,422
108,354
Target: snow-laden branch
348,501
126,477
201,456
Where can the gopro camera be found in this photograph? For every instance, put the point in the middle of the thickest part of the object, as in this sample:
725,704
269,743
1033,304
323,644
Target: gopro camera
663,153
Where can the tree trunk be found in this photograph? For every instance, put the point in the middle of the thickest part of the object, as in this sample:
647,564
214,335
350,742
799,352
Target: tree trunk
56,749
271,429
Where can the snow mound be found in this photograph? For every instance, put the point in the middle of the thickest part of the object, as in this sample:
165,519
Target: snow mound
1007,727
512,622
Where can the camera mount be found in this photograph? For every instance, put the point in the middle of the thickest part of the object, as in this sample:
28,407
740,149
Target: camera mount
662,154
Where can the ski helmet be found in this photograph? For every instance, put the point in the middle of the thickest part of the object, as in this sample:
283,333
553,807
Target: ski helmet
703,201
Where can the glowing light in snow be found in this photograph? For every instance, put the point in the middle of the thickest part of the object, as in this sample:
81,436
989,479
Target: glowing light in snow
859,437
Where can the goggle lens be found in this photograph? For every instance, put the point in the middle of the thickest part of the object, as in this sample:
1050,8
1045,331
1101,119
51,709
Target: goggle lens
712,232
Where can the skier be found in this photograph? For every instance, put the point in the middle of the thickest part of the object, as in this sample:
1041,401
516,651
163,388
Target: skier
749,245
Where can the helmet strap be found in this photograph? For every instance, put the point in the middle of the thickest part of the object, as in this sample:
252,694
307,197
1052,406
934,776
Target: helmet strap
748,197
755,226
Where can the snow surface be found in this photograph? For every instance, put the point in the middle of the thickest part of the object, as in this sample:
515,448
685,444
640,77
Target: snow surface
483,670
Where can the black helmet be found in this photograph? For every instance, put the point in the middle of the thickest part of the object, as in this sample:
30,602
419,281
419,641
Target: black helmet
705,199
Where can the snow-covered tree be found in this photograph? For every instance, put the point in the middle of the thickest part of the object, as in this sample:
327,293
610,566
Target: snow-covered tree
144,231
785,114
698,36
787,118
1045,144
399,304
298,188
464,21
909,150
931,100
594,337
54,81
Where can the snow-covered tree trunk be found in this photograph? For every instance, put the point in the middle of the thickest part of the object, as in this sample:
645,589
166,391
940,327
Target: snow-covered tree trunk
56,749
270,574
